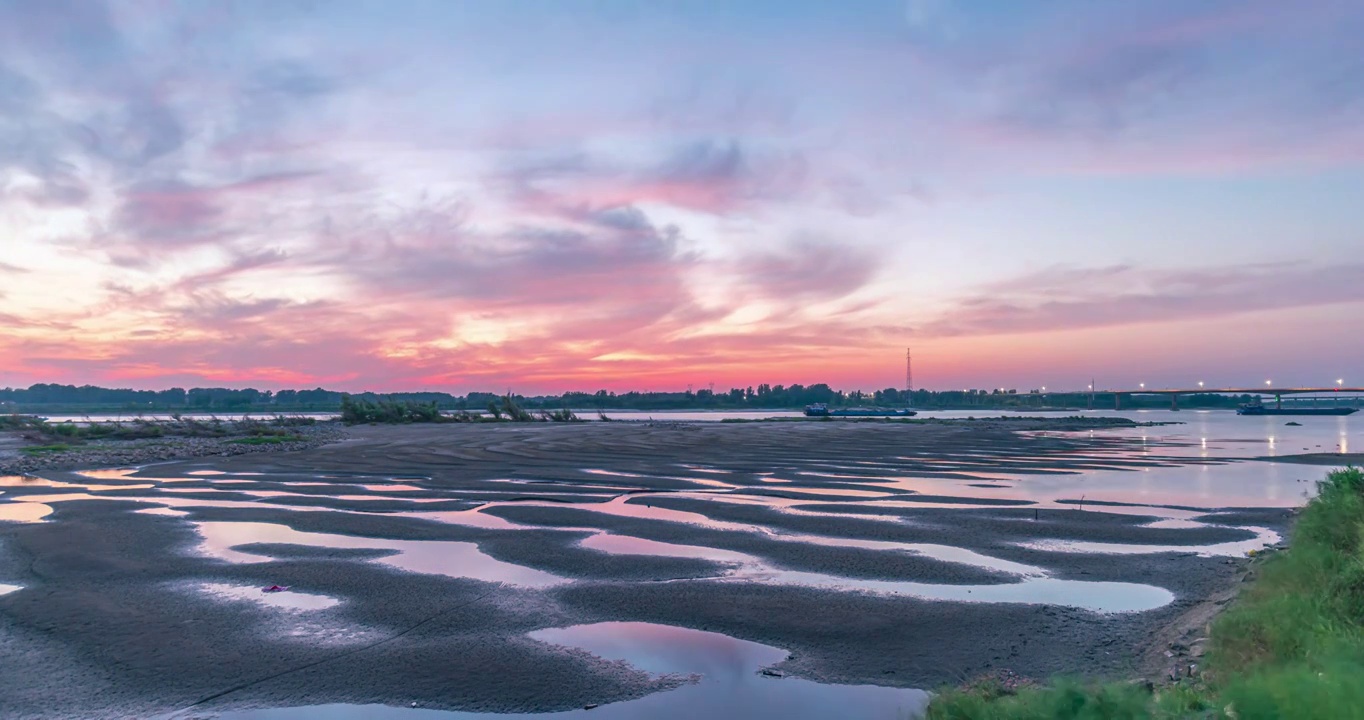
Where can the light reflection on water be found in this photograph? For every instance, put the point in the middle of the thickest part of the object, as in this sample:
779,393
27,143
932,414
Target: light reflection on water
880,483
432,557
729,686
19,481
25,512
288,600
463,559
1032,586
108,474
1264,537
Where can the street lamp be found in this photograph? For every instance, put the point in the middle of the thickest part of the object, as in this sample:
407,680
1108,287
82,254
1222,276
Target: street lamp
1339,383
1143,385
1268,383
1200,384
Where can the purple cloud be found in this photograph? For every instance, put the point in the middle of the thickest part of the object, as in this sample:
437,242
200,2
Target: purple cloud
1060,298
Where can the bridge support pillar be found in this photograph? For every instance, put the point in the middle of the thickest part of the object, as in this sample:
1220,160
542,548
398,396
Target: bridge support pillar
1278,400
1117,401
1174,401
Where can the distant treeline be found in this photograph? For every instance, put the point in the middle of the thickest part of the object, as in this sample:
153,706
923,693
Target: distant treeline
59,398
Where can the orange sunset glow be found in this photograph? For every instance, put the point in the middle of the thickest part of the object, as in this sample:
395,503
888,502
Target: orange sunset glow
556,209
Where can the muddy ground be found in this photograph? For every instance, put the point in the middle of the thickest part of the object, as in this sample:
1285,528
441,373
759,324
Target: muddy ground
108,623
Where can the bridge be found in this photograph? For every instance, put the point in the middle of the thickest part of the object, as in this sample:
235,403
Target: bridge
1174,393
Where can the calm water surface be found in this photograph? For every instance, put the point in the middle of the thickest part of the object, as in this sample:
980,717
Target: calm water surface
730,685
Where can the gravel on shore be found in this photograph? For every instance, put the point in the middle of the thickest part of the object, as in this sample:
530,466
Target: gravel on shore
129,453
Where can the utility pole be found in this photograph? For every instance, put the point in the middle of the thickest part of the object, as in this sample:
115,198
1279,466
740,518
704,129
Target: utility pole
909,378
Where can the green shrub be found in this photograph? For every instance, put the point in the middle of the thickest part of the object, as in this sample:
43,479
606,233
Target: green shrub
1291,646
356,411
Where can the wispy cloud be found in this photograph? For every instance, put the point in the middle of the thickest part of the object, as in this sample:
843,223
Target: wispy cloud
1061,298
453,195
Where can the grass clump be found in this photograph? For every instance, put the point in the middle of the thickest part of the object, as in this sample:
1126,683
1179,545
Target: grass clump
46,449
265,440
1291,646
355,411
564,415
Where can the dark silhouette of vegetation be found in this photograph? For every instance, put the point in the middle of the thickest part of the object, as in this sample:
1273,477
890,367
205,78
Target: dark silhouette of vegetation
355,411
52,399
358,410
39,430
514,412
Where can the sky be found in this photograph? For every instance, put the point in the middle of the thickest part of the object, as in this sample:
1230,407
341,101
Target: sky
596,194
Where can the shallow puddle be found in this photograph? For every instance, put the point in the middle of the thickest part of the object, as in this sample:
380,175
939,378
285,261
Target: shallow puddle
1263,538
626,545
1032,587
288,599
470,518
24,512
432,557
730,685
26,481
6,588
108,474
162,511
709,482
845,491
1102,597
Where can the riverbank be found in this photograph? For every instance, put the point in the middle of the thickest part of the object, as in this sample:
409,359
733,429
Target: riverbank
25,456
1290,645
140,442
871,553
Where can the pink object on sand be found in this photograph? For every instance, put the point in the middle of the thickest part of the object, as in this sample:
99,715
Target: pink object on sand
275,588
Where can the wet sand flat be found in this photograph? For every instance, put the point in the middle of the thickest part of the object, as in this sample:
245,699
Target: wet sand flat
431,559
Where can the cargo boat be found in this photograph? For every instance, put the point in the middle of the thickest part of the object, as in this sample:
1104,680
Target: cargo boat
822,410
1259,408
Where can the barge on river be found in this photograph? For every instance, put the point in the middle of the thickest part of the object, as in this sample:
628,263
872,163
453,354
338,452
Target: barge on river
822,410
1259,408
